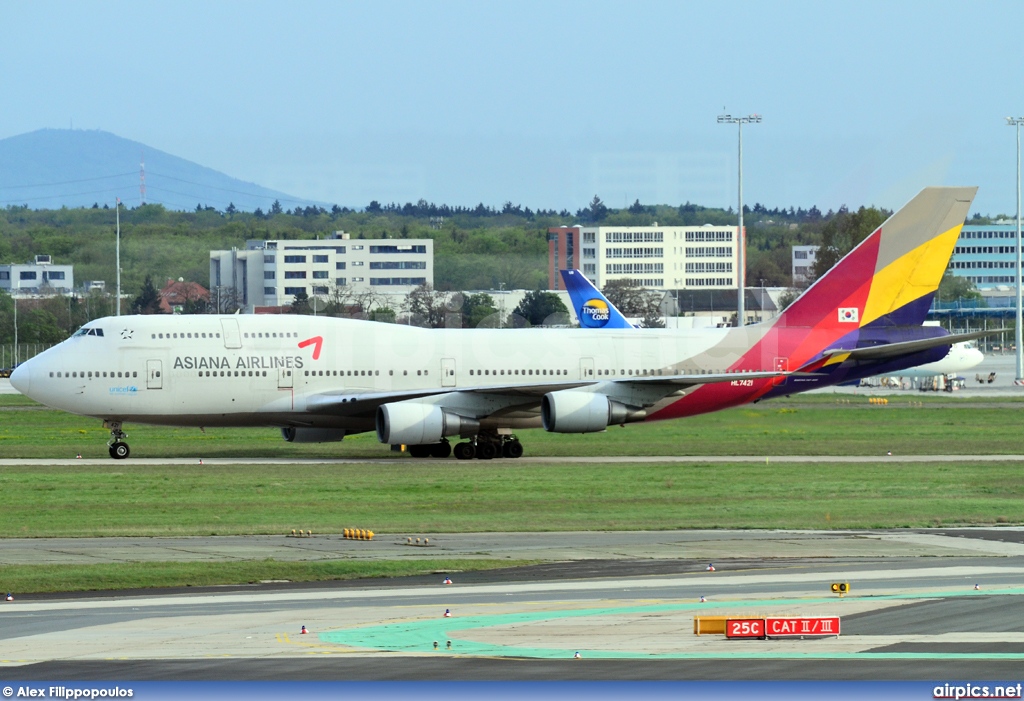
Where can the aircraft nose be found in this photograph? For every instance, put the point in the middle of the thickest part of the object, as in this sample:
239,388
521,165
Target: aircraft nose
974,357
21,378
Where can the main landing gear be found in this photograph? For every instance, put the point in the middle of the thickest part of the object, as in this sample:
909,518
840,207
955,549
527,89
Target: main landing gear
117,447
485,446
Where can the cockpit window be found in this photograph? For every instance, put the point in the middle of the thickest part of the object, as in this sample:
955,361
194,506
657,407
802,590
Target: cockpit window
89,331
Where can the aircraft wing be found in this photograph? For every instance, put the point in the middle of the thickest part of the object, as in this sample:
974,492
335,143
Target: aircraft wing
483,401
895,350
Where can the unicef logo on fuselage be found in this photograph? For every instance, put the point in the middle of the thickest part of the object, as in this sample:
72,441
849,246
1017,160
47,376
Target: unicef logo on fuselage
594,314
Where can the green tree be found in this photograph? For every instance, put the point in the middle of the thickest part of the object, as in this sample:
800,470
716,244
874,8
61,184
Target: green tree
148,301
300,304
954,288
843,233
476,308
427,307
538,306
632,300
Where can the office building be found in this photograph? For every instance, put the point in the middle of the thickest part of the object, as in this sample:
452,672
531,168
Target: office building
656,257
272,273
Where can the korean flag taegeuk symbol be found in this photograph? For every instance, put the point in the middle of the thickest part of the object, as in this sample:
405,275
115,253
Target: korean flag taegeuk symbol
848,315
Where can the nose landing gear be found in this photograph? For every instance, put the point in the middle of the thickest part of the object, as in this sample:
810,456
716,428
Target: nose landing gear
118,449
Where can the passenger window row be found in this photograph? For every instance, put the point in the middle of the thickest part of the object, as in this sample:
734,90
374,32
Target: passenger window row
184,335
520,372
90,374
271,334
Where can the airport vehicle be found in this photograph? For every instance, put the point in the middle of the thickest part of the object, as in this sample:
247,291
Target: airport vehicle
594,310
320,379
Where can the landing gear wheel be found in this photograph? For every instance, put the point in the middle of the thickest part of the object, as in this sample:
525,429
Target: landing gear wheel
465,451
441,450
512,449
119,450
485,450
420,451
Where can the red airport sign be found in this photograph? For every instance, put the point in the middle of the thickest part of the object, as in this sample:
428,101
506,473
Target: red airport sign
801,627
744,628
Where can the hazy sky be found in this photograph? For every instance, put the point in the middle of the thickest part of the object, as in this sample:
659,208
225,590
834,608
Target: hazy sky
542,103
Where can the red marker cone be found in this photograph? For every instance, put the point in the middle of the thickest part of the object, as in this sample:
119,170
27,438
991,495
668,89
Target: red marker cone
976,588
447,613
303,631
577,656
78,457
710,568
702,599
10,596
447,580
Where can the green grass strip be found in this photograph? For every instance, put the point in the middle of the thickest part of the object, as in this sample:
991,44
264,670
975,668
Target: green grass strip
823,424
423,497
25,579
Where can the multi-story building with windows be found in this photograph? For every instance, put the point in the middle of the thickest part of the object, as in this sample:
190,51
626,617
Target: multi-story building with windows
801,264
272,273
657,257
986,254
41,277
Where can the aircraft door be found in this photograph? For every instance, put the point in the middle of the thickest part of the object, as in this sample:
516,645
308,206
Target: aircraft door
284,378
586,368
447,372
232,338
154,374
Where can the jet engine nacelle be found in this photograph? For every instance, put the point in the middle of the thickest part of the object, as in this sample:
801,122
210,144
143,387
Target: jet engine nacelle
572,411
294,434
404,423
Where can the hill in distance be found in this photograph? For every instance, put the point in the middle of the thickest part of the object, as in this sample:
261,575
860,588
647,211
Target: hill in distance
53,168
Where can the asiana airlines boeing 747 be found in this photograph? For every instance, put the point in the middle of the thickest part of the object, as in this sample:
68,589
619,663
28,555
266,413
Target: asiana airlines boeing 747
320,379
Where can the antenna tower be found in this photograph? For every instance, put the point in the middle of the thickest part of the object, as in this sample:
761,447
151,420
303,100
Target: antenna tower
142,178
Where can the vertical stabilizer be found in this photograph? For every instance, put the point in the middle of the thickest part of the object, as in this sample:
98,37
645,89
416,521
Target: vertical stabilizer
592,308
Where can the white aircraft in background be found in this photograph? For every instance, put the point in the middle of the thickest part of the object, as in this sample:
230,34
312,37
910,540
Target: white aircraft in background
594,310
320,379
961,357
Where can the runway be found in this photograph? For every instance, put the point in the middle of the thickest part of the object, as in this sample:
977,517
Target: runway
625,602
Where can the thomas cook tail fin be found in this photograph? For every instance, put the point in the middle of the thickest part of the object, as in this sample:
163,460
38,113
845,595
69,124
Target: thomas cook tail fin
592,308
891,278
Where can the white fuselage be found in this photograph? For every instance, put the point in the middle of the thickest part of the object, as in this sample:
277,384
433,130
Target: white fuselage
264,370
961,357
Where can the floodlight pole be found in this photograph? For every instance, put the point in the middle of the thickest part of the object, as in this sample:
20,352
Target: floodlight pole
1019,379
117,209
741,273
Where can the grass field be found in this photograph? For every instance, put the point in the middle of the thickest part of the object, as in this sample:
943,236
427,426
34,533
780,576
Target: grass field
804,425
425,497
430,496
149,575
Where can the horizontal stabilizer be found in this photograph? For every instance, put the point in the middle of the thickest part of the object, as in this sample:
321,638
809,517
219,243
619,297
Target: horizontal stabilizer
896,350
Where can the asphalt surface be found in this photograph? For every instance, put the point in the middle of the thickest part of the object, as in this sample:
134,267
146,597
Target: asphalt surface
625,601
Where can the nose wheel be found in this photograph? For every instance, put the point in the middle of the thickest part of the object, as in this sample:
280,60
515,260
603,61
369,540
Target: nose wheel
117,447
119,450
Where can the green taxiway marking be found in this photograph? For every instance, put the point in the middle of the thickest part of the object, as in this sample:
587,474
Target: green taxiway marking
419,635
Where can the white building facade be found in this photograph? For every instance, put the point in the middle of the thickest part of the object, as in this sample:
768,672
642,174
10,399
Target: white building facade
39,278
272,273
655,257
802,261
